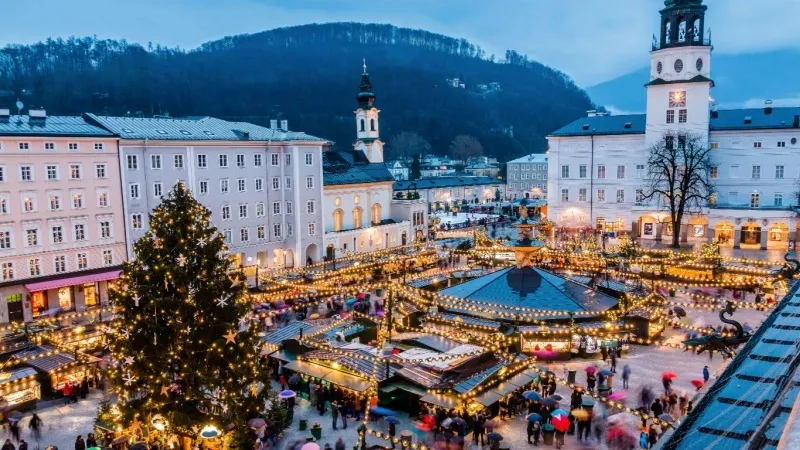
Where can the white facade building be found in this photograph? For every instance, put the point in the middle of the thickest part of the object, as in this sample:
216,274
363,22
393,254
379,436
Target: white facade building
527,175
597,165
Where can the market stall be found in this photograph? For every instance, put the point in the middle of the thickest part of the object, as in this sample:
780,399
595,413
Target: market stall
57,369
19,389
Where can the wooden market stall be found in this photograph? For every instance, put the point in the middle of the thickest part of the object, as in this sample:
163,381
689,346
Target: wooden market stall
20,389
55,369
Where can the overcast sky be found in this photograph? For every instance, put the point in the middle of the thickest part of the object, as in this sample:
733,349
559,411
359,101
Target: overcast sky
591,40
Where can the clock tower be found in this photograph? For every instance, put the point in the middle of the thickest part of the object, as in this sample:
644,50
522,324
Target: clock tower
367,137
679,90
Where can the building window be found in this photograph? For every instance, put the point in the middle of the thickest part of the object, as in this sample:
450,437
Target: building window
757,144
136,221
288,183
155,161
244,234
620,195
223,160
24,146
312,229
226,212
35,267
582,171
601,171
100,170
669,142
2,174
682,116
25,173
80,231
134,190
259,182
778,199
620,172
5,240
29,204
276,183
74,171
289,209
260,209
133,162
226,235
32,237
670,116
565,195
601,195
50,146
275,159
178,161
582,194
261,232
108,257
276,208
223,186
754,200
357,217
3,206
310,207
98,146
7,271
781,143
102,199
639,196
309,159
240,161
242,211
276,231
310,182
257,160
60,263
72,146
756,172
338,220
288,159
204,187
779,172
289,229
242,184
83,261
202,161
55,203
52,172
713,172
376,213
714,145
158,190
105,230
564,171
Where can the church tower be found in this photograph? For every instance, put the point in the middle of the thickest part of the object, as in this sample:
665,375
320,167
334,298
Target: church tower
679,91
367,137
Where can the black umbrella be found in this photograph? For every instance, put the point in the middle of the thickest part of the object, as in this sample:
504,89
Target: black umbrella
680,312
495,437
294,380
138,446
549,401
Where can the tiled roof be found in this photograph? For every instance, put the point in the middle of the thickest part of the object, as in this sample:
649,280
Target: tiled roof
466,320
532,158
444,182
365,367
194,128
696,79
476,380
46,364
531,287
755,392
290,331
604,125
50,126
352,167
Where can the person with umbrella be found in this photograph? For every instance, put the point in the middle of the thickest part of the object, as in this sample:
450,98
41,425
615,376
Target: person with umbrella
626,375
392,432
591,379
534,429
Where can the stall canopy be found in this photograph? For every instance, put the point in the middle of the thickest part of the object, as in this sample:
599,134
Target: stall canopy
333,376
443,400
283,355
487,398
403,386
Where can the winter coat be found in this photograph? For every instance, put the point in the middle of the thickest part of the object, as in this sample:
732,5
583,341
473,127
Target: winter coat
657,409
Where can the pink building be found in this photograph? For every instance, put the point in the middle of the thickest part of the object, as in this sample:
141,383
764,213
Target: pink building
62,235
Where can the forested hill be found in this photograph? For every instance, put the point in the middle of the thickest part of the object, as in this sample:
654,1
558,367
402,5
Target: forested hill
309,75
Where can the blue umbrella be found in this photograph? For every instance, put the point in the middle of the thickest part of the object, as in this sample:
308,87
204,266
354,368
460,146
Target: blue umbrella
391,419
557,412
532,395
494,436
606,372
287,394
587,400
381,411
533,417
350,301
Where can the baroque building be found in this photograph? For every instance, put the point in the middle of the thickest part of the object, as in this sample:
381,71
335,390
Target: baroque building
597,164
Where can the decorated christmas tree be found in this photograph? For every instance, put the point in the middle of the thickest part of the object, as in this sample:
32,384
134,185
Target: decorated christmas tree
185,358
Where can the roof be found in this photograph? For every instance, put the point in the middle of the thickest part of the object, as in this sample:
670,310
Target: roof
354,363
444,182
532,158
606,125
192,128
66,126
290,331
531,287
46,363
352,167
757,389
696,79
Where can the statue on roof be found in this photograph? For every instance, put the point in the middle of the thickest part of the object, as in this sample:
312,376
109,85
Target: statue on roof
523,213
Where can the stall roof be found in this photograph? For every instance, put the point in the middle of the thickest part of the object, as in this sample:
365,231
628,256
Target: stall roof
307,368
404,386
466,320
14,375
478,378
443,400
488,397
358,365
347,381
283,355
290,331
46,363
579,326
420,376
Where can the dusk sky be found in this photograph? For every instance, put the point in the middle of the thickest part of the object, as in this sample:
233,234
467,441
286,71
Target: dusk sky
590,40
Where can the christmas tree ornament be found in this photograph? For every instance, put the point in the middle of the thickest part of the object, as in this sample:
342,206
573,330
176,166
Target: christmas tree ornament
230,338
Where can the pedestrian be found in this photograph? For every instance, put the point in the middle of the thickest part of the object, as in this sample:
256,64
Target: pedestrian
657,408
340,444
35,425
75,391
552,384
8,445
14,428
667,382
80,444
392,432
590,382
537,430
343,413
22,445
604,352
334,412
613,356
652,436
477,429
67,392
626,375
706,375
84,387
673,404
282,381
683,402
530,431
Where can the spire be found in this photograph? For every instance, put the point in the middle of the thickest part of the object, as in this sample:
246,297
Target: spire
365,97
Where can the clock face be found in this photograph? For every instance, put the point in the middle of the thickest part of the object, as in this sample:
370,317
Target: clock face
677,99
659,67
678,65
699,64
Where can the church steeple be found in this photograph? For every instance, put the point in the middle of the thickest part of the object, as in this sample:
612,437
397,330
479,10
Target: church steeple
367,130
365,97
682,24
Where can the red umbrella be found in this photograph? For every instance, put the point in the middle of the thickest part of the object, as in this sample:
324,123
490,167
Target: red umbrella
361,296
698,383
560,422
591,369
669,375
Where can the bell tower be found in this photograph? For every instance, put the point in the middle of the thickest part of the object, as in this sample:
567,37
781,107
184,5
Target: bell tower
367,128
679,91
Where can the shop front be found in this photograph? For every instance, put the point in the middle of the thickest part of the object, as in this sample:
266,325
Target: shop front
76,293
20,390
56,370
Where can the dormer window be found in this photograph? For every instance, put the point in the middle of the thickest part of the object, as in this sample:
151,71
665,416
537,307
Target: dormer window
585,127
186,133
161,132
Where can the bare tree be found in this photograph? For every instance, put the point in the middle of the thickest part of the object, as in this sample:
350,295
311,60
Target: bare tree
405,145
464,147
678,176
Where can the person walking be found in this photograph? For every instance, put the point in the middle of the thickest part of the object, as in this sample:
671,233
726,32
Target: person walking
334,413
613,356
339,444
343,413
14,428
8,445
706,374
84,388
80,444
478,430
67,392
530,431
537,431
652,436
392,431
604,352
35,425
626,375
591,379
22,445
657,408
91,441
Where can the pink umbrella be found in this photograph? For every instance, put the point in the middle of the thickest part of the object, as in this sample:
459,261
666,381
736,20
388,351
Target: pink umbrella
617,396
591,369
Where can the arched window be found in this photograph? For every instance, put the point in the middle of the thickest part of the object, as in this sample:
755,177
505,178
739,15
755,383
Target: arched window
357,199
337,201
696,29
667,31
357,217
682,30
372,124
338,220
362,124
376,213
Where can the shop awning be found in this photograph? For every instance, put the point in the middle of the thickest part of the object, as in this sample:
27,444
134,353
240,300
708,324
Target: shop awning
72,281
522,379
445,401
403,386
307,368
488,398
283,355
348,381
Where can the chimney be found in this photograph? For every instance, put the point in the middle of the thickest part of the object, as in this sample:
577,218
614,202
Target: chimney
591,113
273,124
37,113
768,107
5,113
285,125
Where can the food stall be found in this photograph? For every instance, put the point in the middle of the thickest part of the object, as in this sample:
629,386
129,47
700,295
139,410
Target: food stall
55,369
19,389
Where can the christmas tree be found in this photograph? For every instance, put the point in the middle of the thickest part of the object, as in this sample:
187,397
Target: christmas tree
184,348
